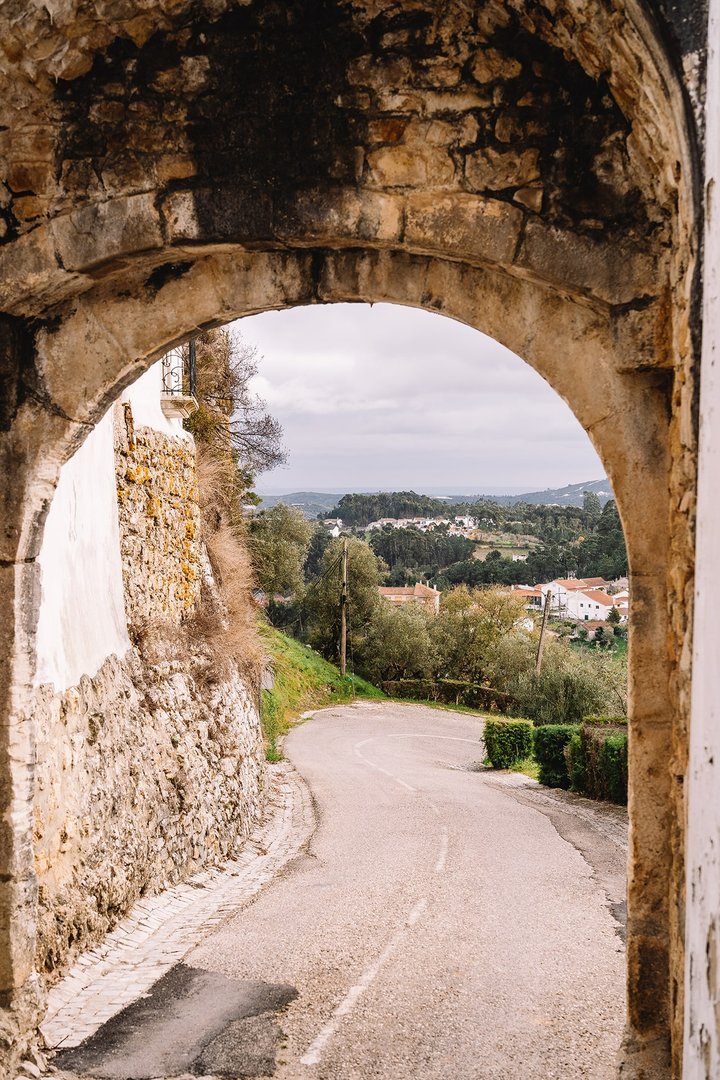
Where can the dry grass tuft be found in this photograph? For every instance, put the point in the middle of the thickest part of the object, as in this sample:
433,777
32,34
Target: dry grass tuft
221,634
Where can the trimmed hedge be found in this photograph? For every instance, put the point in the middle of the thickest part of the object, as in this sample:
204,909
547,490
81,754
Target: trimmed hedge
508,741
597,759
449,692
549,743
606,721
575,762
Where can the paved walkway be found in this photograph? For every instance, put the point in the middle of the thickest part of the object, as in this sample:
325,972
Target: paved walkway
160,930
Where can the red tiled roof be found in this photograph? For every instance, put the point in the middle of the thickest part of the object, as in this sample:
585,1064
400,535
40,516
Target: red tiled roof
598,597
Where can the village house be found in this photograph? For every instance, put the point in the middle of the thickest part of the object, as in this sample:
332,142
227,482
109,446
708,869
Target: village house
532,597
560,590
418,593
589,604
334,526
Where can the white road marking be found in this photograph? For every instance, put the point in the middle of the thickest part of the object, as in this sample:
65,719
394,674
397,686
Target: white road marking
413,735
442,857
314,1052
379,768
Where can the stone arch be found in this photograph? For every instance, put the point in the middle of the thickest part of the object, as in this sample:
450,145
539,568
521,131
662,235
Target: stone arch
526,169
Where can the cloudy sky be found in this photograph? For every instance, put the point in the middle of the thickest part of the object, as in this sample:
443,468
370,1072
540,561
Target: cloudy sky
387,397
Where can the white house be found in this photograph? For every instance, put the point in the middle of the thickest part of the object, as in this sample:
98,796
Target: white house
589,604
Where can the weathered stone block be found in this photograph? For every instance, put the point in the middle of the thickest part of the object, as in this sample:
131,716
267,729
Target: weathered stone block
470,227
411,166
615,274
117,228
495,170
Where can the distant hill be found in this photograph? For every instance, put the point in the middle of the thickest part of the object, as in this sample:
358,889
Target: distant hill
314,503
571,495
311,503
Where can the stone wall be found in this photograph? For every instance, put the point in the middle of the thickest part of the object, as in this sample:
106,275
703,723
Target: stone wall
144,775
160,541
152,767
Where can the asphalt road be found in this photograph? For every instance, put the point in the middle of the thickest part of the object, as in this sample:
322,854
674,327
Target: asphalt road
444,923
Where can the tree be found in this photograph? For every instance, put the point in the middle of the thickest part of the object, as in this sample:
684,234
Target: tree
470,624
397,645
231,417
321,604
613,616
279,539
319,543
592,504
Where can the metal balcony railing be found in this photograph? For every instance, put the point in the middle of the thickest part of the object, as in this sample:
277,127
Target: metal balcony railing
179,381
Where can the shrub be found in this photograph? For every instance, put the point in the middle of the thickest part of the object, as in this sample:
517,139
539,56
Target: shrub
597,759
614,766
508,742
575,762
549,744
560,695
449,692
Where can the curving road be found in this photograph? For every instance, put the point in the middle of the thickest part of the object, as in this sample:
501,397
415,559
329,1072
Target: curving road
442,923
438,926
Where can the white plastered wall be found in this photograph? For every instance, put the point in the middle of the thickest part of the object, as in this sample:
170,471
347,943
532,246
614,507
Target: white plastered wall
82,610
702,976
144,398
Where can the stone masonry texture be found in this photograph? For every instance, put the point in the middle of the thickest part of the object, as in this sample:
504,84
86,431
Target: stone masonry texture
533,168
151,769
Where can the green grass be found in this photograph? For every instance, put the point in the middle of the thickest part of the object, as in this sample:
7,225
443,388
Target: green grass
303,681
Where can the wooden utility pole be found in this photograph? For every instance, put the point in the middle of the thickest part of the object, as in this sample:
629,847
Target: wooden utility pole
546,609
343,607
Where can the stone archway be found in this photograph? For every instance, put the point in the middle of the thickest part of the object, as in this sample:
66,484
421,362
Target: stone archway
524,170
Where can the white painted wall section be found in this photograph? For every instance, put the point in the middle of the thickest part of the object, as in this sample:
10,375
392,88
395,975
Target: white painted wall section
82,610
144,397
702,975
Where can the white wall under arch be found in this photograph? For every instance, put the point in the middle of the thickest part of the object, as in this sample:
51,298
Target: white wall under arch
81,570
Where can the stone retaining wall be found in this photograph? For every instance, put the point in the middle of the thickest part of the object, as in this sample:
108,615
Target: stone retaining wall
144,776
153,768
159,520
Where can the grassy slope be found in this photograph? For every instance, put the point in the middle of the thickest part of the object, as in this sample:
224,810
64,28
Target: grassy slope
303,680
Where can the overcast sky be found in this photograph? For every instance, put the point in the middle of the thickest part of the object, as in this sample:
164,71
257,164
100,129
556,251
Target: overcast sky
388,397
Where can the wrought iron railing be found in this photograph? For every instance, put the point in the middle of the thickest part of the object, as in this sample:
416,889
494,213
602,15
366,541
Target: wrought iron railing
179,371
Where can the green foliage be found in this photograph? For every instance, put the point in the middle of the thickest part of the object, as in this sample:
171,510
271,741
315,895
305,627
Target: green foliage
559,695
397,644
470,625
319,543
614,766
449,692
321,605
508,741
549,744
418,554
302,680
278,540
614,616
592,504
572,684
603,553
597,759
575,760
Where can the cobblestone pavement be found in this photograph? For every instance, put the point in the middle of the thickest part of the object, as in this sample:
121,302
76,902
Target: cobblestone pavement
160,930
